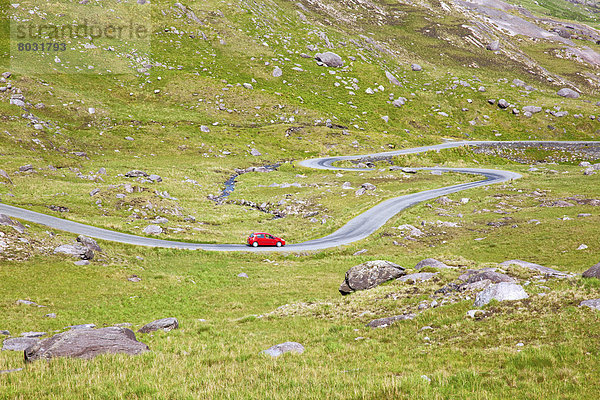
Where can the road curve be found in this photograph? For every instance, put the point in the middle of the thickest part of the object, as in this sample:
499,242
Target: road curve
356,229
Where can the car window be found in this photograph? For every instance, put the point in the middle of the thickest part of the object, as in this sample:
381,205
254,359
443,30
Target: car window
269,237
260,236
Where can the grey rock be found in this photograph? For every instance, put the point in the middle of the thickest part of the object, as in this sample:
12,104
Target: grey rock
5,333
134,278
493,46
89,243
154,178
4,175
7,221
399,102
248,86
204,128
568,93
32,334
431,262
492,276
385,322
594,303
26,168
330,59
242,275
136,173
255,152
86,343
532,109
535,267
416,67
28,303
502,103
393,80
153,230
287,347
368,186
277,72
500,291
370,274
18,343
165,324
82,263
82,326
418,277
51,315
593,272
75,250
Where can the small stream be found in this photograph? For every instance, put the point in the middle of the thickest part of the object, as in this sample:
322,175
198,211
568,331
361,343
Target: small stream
230,183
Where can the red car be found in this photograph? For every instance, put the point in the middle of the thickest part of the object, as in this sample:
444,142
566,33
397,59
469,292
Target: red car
264,239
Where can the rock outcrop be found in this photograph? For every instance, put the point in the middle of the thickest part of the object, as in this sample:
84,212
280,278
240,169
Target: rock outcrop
370,274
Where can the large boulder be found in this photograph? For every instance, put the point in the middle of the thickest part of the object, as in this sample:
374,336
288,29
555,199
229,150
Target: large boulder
492,276
19,343
500,291
165,324
593,272
86,343
279,349
136,173
431,262
568,93
75,250
370,274
330,59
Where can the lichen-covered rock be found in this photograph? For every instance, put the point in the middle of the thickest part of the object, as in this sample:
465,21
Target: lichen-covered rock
89,243
385,322
568,93
594,303
18,343
370,274
86,343
330,59
75,250
535,267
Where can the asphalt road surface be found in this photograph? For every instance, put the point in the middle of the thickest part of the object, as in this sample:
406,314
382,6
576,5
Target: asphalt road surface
356,229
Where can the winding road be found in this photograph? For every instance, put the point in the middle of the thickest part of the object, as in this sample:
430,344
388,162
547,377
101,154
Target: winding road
356,229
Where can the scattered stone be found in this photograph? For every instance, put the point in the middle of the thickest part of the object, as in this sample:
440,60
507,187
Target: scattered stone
255,152
7,221
89,243
418,277
568,93
594,303
416,67
593,272
4,175
86,343
431,262
493,46
204,129
32,334
500,291
282,348
153,230
26,168
134,278
532,109
166,324
82,262
473,313
82,326
582,247
393,80
370,274
535,267
51,315
154,178
492,276
75,250
385,322
399,102
3,332
502,103
330,59
277,72
28,303
136,173
248,86
368,186
242,275
18,343
359,252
